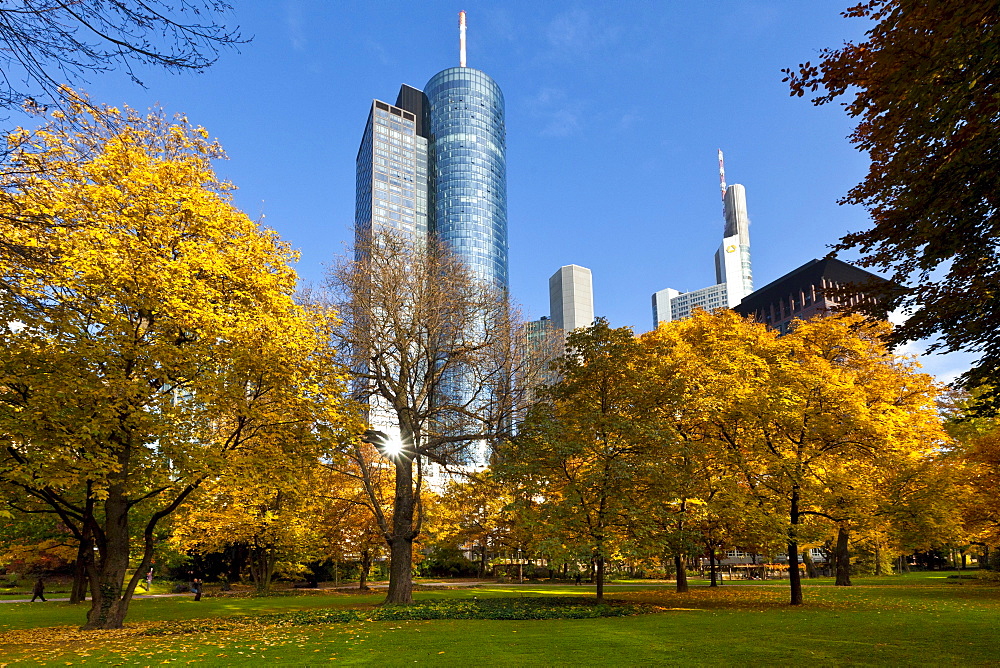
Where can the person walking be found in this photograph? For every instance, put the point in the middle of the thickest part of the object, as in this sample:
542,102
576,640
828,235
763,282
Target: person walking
197,589
38,591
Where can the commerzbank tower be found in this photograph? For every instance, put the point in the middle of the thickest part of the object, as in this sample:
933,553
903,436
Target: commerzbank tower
435,162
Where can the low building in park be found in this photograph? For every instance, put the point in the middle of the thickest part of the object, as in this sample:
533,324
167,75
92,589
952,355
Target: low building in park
816,288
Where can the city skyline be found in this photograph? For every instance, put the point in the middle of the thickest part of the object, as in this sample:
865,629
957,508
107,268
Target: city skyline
733,270
613,115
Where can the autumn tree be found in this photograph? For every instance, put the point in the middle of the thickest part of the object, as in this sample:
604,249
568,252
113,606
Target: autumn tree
804,417
580,449
50,43
440,358
149,336
923,85
475,512
974,458
841,411
269,504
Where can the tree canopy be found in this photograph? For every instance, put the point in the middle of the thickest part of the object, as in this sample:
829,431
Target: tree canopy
150,336
924,86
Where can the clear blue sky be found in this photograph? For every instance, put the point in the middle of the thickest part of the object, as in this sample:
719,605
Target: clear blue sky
614,115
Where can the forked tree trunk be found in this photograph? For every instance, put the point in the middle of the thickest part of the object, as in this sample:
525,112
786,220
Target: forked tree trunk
711,566
110,599
842,557
401,540
810,565
680,565
262,563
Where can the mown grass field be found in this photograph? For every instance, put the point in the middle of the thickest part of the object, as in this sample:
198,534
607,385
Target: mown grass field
916,620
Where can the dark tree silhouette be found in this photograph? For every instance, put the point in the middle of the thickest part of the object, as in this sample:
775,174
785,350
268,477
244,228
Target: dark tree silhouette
46,44
925,88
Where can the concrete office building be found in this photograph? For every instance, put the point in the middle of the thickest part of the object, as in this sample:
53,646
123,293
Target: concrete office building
571,298
733,274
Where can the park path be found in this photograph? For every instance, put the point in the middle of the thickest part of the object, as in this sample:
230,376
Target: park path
28,600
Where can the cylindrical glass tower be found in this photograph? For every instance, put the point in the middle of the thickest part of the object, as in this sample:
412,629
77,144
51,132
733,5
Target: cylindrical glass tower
468,169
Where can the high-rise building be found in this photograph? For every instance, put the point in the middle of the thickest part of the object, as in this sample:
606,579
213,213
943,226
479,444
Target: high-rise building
571,298
732,260
435,163
733,275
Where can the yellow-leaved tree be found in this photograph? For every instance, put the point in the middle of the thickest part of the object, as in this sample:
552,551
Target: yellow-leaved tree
816,421
147,332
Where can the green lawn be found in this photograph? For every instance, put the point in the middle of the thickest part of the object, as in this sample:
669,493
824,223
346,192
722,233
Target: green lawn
918,619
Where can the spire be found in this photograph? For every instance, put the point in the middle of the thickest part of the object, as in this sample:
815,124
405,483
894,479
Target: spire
461,39
722,182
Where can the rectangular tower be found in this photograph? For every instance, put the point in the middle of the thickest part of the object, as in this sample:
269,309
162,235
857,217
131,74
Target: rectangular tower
732,260
571,298
391,173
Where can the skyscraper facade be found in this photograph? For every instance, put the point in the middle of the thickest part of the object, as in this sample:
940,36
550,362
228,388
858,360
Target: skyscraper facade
571,298
733,274
468,165
732,260
435,163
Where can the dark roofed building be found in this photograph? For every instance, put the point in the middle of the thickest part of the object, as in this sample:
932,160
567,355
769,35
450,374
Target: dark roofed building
815,288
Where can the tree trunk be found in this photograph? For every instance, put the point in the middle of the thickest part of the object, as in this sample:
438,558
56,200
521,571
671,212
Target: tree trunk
680,565
401,541
842,557
109,602
600,578
262,563
807,559
237,561
794,577
84,559
711,566
366,564
482,560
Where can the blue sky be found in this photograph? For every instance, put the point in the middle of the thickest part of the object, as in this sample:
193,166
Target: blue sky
614,115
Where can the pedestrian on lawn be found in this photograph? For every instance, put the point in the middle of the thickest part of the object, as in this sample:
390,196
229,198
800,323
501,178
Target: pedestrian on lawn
38,591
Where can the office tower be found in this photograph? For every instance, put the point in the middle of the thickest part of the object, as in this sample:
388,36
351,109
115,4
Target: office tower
732,260
571,298
435,163
733,275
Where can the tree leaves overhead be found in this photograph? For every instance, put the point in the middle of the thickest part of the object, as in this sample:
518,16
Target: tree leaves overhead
925,88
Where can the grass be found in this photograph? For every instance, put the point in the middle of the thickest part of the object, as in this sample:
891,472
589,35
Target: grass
917,619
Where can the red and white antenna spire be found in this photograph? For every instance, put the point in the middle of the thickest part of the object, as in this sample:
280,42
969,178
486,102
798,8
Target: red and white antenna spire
722,182
461,39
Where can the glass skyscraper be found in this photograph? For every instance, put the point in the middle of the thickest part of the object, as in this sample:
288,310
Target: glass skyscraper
435,163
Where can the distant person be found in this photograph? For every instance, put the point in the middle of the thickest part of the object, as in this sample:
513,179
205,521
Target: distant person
38,591
579,577
149,579
197,588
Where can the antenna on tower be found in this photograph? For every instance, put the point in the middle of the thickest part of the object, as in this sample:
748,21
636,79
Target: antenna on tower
722,182
461,39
